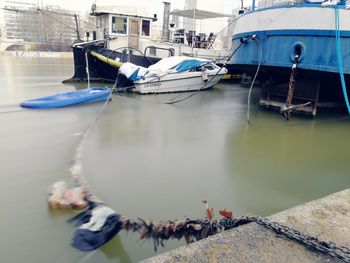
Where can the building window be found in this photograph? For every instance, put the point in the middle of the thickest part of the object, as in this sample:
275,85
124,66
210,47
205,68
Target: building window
119,25
146,24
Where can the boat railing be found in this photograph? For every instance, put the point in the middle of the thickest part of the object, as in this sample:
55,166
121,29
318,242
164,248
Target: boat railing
190,39
81,44
152,50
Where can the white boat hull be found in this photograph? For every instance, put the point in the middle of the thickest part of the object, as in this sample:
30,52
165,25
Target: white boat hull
179,82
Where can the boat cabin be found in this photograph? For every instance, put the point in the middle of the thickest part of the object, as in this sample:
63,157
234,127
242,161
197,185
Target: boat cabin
130,28
127,26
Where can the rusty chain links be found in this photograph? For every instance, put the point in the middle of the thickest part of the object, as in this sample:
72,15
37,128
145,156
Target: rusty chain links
325,247
312,243
284,109
197,229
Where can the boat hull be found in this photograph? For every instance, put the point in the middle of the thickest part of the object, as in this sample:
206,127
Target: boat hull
100,71
281,31
272,37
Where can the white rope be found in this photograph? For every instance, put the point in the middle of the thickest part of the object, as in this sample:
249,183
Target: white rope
76,168
252,84
87,69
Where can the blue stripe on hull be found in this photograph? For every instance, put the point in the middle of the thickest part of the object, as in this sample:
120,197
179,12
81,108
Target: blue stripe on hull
318,49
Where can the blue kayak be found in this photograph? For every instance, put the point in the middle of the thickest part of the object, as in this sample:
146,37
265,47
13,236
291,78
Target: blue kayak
68,98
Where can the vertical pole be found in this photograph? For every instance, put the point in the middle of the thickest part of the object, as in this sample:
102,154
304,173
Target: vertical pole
194,31
87,68
77,26
253,5
316,97
166,15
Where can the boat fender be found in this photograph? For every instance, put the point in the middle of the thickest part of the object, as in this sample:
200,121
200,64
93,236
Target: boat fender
56,195
60,197
75,197
204,75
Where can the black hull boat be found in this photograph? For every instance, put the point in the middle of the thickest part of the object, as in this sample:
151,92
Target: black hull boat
102,63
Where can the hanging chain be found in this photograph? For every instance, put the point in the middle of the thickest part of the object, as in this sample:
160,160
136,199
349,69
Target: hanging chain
288,107
291,86
285,109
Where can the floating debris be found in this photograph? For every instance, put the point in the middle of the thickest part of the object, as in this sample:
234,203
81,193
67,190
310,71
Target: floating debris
189,229
209,211
96,226
60,197
99,223
225,213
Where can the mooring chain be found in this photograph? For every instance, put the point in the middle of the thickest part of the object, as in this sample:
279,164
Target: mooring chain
292,81
197,229
285,109
325,247
288,107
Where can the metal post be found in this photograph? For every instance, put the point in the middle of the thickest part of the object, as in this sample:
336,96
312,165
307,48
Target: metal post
253,5
77,26
194,35
166,16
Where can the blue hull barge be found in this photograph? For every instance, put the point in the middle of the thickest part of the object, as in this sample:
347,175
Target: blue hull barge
69,98
300,53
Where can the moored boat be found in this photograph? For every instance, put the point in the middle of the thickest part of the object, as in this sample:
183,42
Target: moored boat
126,34
301,50
174,74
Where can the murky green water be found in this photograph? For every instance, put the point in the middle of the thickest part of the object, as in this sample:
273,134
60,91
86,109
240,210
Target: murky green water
148,159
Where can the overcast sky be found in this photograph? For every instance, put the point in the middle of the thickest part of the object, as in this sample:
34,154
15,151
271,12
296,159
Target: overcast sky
154,7
223,6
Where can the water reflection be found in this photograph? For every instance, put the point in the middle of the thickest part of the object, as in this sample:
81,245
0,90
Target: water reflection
114,250
152,160
275,165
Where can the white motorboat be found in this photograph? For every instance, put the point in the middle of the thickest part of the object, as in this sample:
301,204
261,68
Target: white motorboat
173,74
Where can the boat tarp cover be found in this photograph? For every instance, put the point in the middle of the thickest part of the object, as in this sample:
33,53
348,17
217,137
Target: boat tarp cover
173,64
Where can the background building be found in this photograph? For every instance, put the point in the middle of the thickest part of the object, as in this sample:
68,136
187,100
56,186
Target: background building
49,28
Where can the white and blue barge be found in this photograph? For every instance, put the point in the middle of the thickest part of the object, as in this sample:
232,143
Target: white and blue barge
313,36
